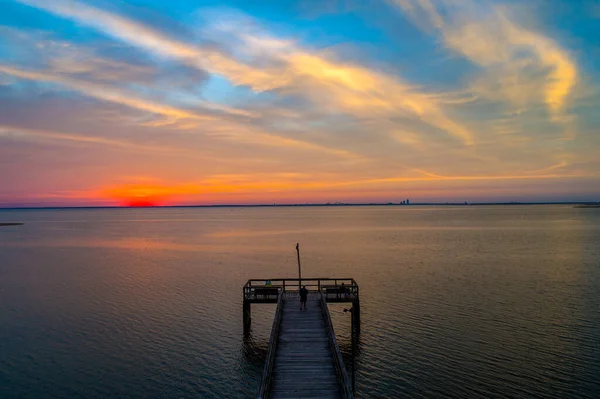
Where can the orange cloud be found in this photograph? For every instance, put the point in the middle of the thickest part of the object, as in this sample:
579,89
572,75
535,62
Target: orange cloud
180,118
152,192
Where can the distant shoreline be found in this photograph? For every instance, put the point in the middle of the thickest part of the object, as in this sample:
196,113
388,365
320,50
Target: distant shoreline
575,204
11,224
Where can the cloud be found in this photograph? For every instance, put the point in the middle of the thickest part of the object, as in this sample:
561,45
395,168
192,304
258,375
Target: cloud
252,135
261,183
520,66
338,86
73,62
43,50
47,135
335,85
105,93
176,117
139,35
215,184
360,91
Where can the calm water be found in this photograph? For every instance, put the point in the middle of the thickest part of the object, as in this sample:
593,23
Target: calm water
456,301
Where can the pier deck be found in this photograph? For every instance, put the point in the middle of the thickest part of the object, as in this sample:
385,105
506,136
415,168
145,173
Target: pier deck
304,365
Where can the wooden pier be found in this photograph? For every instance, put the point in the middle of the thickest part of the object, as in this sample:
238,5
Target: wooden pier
303,358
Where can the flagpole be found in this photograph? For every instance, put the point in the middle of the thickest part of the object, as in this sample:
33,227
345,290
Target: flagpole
299,269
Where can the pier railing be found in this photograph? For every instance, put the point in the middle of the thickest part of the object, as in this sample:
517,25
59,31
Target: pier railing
334,289
338,361
265,384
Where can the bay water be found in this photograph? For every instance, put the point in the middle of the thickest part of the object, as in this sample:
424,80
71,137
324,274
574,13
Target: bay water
465,301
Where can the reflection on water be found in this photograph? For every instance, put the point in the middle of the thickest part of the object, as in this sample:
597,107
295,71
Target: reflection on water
127,243
455,302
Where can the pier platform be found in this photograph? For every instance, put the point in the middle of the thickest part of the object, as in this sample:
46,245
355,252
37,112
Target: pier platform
303,357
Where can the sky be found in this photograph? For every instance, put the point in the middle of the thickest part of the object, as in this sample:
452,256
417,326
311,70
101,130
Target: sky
152,102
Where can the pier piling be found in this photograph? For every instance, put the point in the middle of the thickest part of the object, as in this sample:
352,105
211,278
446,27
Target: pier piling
247,315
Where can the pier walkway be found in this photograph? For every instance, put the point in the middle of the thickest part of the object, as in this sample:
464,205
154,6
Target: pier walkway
303,358
304,364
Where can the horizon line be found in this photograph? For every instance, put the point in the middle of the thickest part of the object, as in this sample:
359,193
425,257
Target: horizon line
464,203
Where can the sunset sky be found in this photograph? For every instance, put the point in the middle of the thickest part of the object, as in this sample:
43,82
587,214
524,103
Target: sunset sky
214,102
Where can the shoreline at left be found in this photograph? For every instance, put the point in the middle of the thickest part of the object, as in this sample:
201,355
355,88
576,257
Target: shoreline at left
11,224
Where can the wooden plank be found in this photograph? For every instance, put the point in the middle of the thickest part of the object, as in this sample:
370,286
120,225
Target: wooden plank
304,365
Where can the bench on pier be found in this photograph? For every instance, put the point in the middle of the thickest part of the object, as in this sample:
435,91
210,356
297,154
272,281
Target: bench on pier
266,291
336,291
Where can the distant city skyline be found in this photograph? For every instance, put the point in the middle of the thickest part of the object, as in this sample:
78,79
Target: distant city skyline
149,102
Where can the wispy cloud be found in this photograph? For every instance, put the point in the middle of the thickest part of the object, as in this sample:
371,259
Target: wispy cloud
172,116
105,93
335,85
520,65
17,132
251,135
155,42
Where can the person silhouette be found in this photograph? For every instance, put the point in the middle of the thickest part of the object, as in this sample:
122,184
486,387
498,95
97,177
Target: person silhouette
303,297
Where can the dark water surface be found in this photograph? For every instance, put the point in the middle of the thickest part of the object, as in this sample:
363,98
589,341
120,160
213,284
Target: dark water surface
456,301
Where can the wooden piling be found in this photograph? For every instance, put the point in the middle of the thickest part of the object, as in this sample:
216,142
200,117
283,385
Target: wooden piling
356,315
247,315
